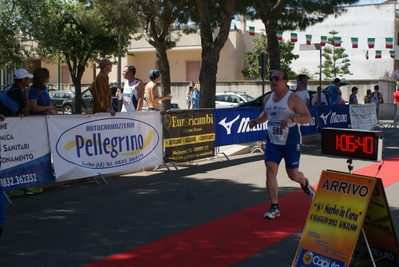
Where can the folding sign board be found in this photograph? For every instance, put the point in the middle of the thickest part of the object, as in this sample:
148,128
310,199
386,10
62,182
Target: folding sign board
346,208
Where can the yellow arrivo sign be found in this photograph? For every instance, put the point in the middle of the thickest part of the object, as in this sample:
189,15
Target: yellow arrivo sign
345,207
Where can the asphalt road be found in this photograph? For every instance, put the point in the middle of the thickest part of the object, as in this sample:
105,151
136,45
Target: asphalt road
79,223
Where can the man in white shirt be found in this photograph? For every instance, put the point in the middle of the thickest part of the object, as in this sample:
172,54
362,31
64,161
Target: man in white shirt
133,91
303,93
315,98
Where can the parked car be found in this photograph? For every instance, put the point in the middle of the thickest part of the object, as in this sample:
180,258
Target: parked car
58,98
65,101
231,99
257,102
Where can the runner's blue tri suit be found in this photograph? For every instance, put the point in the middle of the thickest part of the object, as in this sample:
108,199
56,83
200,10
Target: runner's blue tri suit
282,143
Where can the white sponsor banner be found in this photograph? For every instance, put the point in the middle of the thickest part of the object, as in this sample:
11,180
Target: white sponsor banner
363,116
87,145
25,152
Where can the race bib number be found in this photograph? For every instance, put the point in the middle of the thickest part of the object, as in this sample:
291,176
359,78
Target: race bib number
277,135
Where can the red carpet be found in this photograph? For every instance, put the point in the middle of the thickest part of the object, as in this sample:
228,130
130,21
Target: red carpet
230,239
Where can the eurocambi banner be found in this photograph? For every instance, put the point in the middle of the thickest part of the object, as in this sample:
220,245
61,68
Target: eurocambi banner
84,146
188,135
25,152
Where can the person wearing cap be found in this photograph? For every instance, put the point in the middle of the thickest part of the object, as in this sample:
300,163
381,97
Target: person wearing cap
102,99
133,91
13,99
151,91
334,93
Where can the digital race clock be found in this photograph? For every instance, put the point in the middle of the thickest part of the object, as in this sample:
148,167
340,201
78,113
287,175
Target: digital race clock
351,143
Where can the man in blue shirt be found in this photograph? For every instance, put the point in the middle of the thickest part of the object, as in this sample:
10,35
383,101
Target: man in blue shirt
334,93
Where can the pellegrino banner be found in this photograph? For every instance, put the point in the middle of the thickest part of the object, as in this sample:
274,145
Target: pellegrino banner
88,145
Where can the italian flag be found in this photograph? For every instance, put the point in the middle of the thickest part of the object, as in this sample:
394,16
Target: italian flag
308,39
367,54
337,41
388,42
323,40
370,42
392,53
279,35
294,37
252,30
354,42
377,53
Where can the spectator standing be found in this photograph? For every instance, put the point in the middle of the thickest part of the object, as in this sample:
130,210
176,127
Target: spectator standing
39,99
315,99
367,97
14,98
303,93
334,93
376,98
102,99
284,111
133,91
189,96
353,97
196,98
152,93
396,100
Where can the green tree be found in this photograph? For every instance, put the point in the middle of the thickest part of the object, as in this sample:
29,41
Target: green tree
286,55
336,62
12,49
74,32
259,45
290,15
164,22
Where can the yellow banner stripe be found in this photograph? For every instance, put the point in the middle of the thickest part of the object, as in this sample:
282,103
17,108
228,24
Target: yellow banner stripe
189,140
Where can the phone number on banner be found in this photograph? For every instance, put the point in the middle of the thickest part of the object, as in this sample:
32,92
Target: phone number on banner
18,180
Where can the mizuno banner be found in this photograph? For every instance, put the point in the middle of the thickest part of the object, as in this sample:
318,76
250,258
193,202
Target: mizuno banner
333,116
232,126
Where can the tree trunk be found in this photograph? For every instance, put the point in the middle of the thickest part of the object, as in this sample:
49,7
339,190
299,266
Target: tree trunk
273,48
164,68
76,70
211,48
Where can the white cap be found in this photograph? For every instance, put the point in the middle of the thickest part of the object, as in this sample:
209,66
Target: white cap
22,74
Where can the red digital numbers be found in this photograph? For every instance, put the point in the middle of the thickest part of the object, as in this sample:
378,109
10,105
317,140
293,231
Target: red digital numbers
351,143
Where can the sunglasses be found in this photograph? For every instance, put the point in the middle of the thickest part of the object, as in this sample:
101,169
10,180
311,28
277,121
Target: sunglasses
275,78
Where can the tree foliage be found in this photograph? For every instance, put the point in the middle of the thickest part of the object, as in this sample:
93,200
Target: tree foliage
75,32
12,48
260,45
291,15
336,62
162,22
